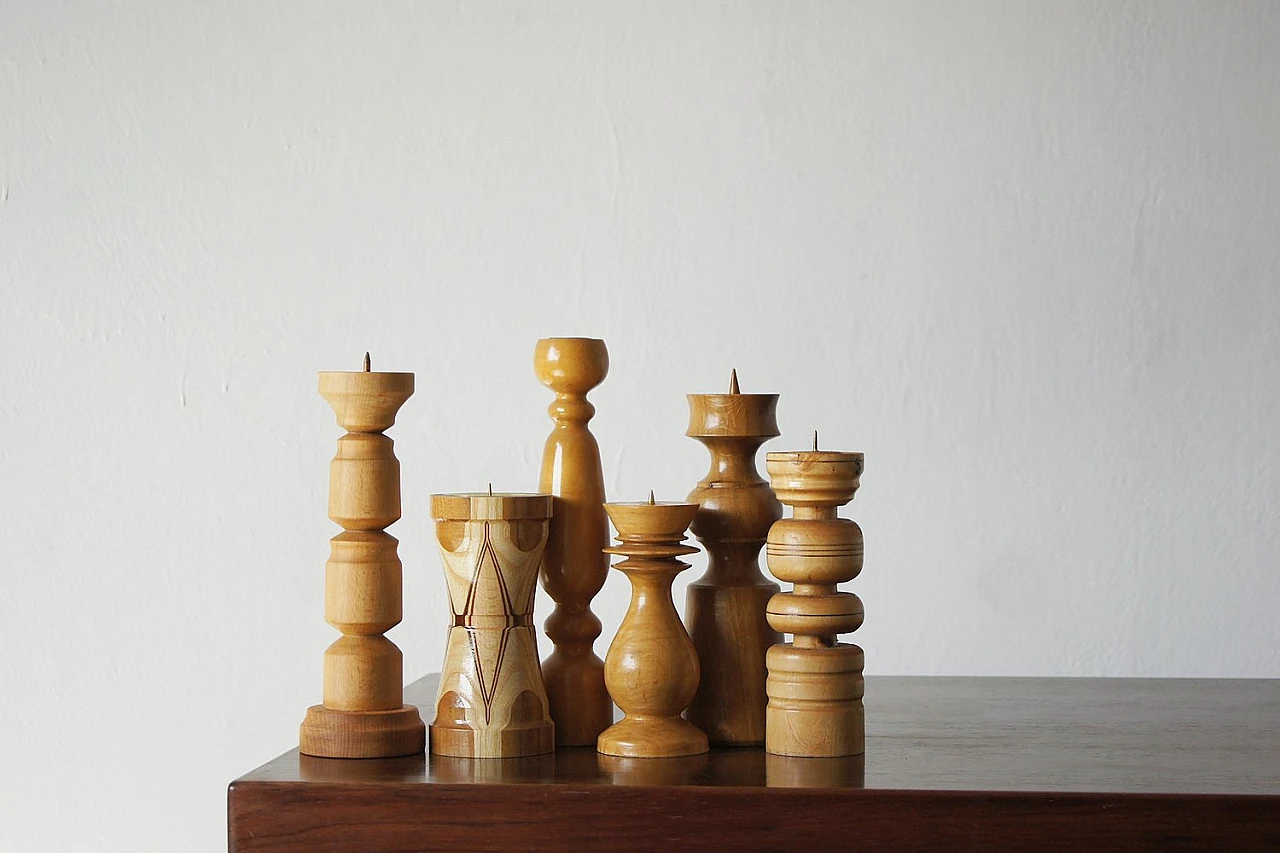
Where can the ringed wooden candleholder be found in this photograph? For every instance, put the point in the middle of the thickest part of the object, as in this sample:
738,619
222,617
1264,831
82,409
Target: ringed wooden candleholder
651,668
491,702
574,565
363,714
815,683
725,608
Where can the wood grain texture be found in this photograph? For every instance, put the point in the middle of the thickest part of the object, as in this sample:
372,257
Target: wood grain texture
574,565
815,684
363,714
725,608
951,763
491,702
652,668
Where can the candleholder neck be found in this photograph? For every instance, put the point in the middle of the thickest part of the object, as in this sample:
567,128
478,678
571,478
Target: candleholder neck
570,410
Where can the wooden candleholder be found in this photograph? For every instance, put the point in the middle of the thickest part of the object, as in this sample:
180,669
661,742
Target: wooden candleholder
815,683
363,715
491,702
652,667
574,565
725,608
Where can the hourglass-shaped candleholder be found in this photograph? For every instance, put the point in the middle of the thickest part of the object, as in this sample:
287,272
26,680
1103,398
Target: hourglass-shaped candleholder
652,668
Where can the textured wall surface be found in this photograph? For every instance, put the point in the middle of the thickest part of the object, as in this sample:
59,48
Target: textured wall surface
1025,255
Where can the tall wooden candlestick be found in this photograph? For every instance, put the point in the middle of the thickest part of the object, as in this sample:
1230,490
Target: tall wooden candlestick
363,715
491,702
815,683
651,668
725,608
574,565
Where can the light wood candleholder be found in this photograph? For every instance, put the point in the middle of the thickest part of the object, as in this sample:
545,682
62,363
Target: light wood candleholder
725,608
574,565
491,702
363,715
652,668
815,683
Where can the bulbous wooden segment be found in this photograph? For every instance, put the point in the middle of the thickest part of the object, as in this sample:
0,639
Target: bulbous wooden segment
363,715
725,608
815,550
652,667
823,615
574,566
815,683
492,702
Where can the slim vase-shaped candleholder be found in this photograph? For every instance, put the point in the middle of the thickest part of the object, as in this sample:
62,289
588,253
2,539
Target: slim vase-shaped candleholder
651,668
574,565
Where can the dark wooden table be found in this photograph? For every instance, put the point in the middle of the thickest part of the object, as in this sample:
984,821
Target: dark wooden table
1012,763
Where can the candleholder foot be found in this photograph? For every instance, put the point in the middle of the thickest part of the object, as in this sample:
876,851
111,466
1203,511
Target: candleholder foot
327,733
815,701
515,741
641,737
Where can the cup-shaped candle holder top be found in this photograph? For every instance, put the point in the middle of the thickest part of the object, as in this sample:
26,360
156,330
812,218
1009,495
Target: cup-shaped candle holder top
574,565
491,702
365,401
571,366
815,478
651,668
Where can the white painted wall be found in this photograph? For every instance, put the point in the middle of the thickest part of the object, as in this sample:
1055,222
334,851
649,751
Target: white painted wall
1026,256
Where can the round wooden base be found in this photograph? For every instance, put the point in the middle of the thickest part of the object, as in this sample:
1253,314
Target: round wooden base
652,737
461,741
815,701
362,734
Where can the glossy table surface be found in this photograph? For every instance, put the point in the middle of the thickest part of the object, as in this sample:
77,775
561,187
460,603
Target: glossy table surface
991,762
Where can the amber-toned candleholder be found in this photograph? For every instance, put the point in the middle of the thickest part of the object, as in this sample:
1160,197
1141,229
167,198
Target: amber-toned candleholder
815,683
725,608
652,668
574,566
363,714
